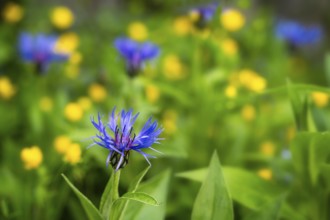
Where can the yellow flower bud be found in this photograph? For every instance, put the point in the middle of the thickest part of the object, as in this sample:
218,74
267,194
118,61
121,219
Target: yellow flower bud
173,68
266,174
248,112
7,90
46,104
320,99
231,91
73,154
85,103
73,112
97,92
12,12
67,43
268,148
31,157
152,93
62,17
137,31
182,26
232,20
229,46
62,143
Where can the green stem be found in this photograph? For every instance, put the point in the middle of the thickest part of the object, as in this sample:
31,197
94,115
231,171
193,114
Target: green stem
115,184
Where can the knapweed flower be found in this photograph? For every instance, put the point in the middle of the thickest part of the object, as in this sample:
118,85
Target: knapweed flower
298,34
31,157
122,138
39,49
202,15
135,53
62,17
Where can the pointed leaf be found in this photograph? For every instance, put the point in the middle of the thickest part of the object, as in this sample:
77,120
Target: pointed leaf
88,206
139,197
213,200
137,180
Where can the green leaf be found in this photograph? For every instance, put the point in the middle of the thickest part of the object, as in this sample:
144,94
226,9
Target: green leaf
157,187
213,200
271,211
88,206
254,193
139,197
137,180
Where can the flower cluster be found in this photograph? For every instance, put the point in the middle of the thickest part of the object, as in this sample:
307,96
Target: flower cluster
135,53
40,50
298,34
123,138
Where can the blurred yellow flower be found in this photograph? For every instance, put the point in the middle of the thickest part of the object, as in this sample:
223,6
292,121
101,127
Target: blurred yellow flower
97,92
72,71
31,157
182,26
229,46
232,20
62,143
137,31
75,58
194,15
172,67
248,112
62,17
46,104
290,133
73,154
7,90
169,121
67,43
320,99
152,93
266,174
73,112
12,12
267,148
231,91
85,103
252,81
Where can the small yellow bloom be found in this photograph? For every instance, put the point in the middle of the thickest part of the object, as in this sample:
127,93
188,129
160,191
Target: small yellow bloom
229,46
97,92
194,15
46,104
231,91
266,174
67,43
268,148
85,103
62,17
232,20
73,112
152,93
12,12
72,71
75,58
73,154
320,99
248,112
169,121
172,67
7,90
31,157
62,143
252,81
137,31
182,26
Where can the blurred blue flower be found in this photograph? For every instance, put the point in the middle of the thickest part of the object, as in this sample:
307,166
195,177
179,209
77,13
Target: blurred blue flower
203,14
135,53
39,49
298,34
123,138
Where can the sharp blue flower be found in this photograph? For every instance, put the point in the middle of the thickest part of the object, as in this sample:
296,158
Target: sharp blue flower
118,136
135,53
39,49
297,33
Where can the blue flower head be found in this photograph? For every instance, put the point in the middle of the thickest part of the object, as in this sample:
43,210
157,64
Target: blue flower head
203,15
39,49
119,138
298,34
135,53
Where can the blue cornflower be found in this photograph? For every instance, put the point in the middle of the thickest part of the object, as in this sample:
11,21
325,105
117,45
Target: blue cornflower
135,53
39,49
203,14
298,34
123,139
